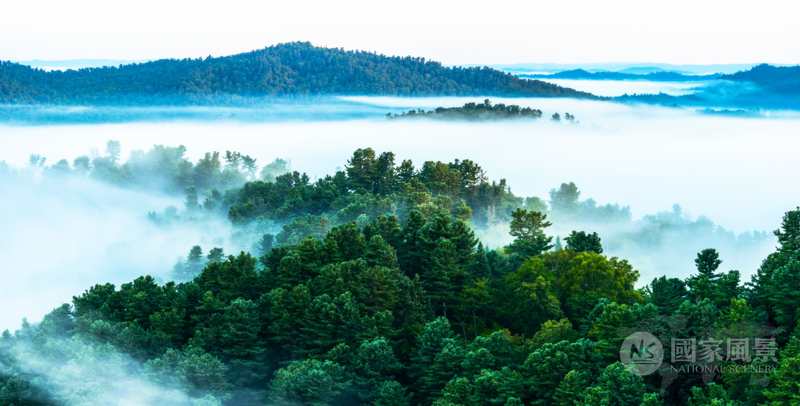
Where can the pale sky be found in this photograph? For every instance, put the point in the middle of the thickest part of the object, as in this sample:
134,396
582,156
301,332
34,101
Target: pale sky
454,32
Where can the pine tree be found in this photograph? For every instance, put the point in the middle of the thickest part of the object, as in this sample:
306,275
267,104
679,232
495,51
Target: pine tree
527,228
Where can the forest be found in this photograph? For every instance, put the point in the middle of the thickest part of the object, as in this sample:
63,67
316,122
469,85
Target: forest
475,112
290,69
376,288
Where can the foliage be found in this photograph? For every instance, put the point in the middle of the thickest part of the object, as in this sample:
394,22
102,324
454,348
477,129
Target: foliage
294,69
473,112
377,291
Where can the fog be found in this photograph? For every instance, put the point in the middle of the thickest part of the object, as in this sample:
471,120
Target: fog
733,170
63,234
78,372
61,237
613,88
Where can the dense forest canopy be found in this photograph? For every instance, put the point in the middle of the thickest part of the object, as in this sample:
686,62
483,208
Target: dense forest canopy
485,111
379,291
290,69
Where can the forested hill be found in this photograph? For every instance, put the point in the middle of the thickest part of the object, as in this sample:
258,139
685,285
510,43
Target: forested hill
762,87
776,79
282,70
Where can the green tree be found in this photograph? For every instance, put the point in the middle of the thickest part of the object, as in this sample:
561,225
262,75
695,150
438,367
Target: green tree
581,241
580,280
311,382
362,170
265,244
201,371
784,382
527,228
216,254
234,336
379,253
712,394
375,361
390,393
430,342
616,386
564,200
572,389
666,293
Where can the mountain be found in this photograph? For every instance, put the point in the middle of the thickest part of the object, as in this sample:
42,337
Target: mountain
643,70
761,87
639,68
659,76
291,69
780,79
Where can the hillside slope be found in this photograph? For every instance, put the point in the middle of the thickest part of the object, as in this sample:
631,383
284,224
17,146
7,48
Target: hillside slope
290,69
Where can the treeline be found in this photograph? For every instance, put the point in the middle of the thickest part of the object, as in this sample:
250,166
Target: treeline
289,69
272,199
165,169
473,111
374,184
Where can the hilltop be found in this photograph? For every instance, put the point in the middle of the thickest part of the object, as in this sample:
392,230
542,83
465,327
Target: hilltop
291,69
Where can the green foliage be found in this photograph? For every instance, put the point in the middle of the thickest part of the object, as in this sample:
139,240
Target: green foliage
616,386
286,69
311,382
578,281
527,228
377,291
581,241
546,367
666,293
711,395
784,386
553,331
572,388
774,285
191,367
371,186
473,111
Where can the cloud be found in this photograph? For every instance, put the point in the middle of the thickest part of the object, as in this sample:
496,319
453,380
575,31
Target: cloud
67,233
76,371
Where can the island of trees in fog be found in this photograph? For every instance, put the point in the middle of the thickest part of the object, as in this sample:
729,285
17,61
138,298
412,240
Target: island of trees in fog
485,111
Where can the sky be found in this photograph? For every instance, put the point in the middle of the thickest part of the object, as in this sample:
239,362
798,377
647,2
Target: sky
454,32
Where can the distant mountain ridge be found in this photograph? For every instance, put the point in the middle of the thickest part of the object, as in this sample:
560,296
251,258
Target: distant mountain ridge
289,69
624,67
784,79
761,87
657,76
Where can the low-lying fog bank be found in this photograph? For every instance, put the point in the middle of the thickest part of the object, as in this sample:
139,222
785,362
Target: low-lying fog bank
734,170
62,235
613,88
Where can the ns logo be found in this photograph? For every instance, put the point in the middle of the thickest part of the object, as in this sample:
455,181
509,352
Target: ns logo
642,353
